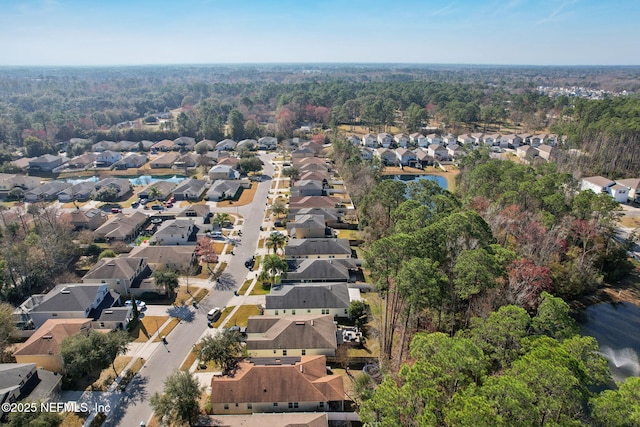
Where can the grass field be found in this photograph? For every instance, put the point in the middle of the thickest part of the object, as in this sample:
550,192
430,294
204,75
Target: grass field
167,329
242,314
147,326
245,198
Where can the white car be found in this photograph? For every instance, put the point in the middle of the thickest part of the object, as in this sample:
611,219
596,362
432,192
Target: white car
140,304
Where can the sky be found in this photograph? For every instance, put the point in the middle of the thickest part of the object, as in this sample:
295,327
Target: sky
141,32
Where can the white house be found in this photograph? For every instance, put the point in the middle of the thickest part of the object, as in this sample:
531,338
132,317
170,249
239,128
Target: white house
633,184
434,138
600,184
370,140
385,139
354,139
419,139
491,139
405,157
402,139
106,158
174,232
438,152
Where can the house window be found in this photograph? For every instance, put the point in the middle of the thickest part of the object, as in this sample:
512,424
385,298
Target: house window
295,405
293,312
226,406
249,406
276,312
322,404
308,311
284,311
304,352
284,352
290,405
54,314
275,403
102,324
236,404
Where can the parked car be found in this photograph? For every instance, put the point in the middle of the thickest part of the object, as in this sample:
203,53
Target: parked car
157,207
250,262
169,205
140,304
215,234
116,210
214,313
135,204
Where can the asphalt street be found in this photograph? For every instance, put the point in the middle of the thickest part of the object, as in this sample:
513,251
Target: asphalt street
134,401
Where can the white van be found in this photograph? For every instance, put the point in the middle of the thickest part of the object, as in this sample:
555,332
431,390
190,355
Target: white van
213,314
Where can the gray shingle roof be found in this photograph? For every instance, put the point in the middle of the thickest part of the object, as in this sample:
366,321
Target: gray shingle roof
317,247
308,332
307,296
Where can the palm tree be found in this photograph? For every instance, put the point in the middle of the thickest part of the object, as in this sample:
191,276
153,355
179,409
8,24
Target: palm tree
275,241
154,193
273,265
278,208
221,218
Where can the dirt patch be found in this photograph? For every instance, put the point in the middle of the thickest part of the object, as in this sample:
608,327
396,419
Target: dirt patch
245,198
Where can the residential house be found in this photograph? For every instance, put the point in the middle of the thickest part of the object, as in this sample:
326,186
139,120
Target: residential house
327,202
130,161
316,147
316,176
434,138
311,167
449,139
370,140
43,347
20,381
175,232
438,152
267,143
465,139
187,160
386,156
307,188
491,139
229,161
597,184
309,299
46,192
454,151
164,146
126,146
536,140
45,163
307,226
331,217
477,138
196,212
223,172
402,140
118,273
384,139
546,152
510,141
313,270
248,144
423,158
303,152
9,182
106,158
223,189
178,258
226,144
21,163
190,189
121,185
317,248
165,161
551,139
101,146
114,318
354,139
526,152
66,301
419,139
164,189
283,384
83,161
405,157
633,185
291,335
90,219
121,227
366,153
184,143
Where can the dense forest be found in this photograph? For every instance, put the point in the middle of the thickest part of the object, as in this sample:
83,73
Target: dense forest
43,107
474,328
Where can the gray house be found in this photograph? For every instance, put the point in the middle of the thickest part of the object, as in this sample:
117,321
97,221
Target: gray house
46,192
318,248
316,298
190,189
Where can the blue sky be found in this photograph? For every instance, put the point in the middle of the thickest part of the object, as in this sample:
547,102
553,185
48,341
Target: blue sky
119,32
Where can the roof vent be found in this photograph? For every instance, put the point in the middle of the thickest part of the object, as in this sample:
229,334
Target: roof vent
47,337
300,323
65,291
108,312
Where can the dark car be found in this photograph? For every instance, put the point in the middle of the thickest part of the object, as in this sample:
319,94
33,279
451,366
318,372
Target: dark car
157,207
250,262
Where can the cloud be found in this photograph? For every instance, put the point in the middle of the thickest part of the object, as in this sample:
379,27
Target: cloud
446,10
557,13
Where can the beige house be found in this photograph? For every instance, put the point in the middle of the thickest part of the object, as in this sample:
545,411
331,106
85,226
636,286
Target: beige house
286,384
317,248
294,335
118,273
43,347
307,226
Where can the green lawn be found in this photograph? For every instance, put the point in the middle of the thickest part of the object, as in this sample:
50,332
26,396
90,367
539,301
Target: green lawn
241,316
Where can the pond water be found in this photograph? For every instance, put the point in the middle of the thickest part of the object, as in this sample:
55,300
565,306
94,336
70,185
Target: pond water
149,179
616,326
442,182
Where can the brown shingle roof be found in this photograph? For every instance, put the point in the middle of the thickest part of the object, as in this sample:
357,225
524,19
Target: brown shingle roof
304,381
47,338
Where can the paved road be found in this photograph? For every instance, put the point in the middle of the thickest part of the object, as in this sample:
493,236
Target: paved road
135,406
